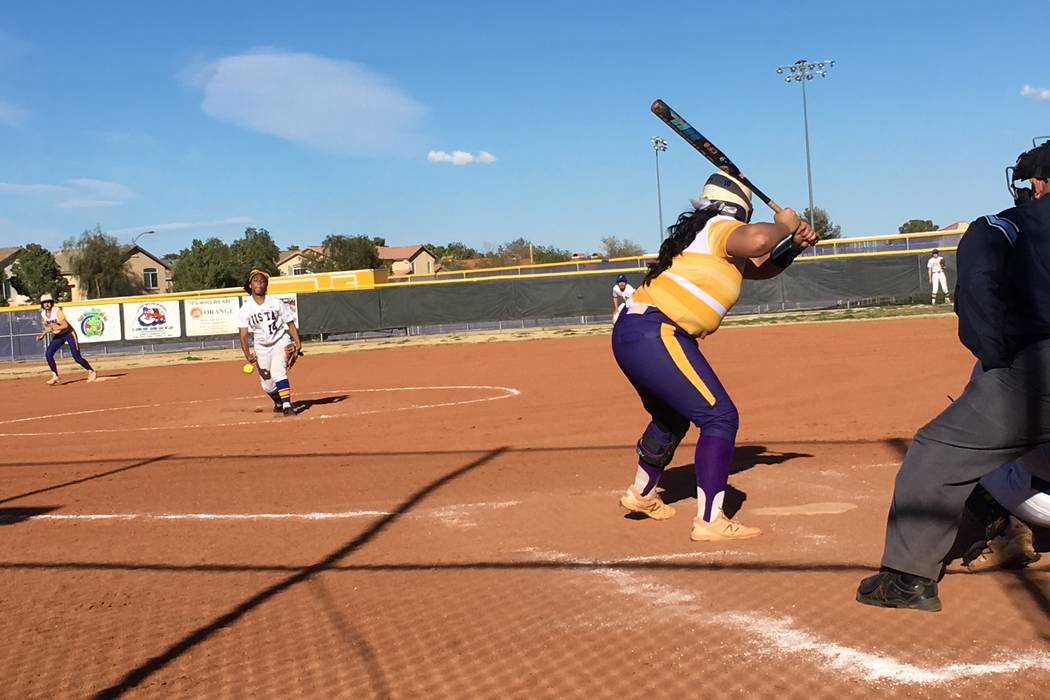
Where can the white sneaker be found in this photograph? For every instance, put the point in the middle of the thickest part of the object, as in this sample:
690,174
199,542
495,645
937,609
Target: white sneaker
721,529
651,505
92,376
54,380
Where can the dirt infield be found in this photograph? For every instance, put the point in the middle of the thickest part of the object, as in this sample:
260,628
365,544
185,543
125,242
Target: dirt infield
442,521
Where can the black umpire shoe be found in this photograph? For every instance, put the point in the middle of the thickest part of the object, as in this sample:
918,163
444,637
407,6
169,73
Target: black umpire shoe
288,411
893,589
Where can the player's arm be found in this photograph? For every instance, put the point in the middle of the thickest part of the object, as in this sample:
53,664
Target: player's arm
775,245
980,288
615,305
249,352
61,325
929,273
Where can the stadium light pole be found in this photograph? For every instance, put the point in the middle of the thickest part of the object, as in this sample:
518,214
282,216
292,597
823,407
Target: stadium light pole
140,235
659,145
802,71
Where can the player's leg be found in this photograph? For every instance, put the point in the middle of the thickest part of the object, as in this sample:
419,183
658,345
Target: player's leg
262,355
999,416
74,349
711,409
279,371
635,339
655,448
666,363
52,348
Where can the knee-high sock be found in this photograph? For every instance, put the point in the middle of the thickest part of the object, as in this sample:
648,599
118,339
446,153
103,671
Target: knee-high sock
714,455
285,391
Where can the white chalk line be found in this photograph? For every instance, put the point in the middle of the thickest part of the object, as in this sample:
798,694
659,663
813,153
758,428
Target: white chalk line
509,392
781,635
454,515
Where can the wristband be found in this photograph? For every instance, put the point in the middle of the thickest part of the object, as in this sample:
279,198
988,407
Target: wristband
785,252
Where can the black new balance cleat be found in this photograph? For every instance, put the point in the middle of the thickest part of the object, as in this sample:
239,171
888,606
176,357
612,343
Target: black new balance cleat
289,412
892,589
278,408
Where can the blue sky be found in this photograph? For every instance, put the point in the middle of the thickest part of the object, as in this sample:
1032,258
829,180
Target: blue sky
197,119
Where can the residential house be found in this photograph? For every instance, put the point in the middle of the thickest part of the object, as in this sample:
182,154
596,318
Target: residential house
8,256
290,262
408,259
153,273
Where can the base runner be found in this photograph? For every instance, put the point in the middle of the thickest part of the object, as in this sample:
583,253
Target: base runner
275,340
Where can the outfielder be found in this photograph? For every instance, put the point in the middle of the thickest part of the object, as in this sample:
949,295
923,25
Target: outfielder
937,277
621,296
53,321
695,280
275,340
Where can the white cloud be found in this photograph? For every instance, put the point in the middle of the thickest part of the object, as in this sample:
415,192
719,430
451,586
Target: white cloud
10,115
78,193
102,188
89,203
31,190
185,225
461,157
1041,94
331,105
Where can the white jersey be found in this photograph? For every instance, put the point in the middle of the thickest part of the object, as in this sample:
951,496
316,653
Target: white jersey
623,295
267,321
47,317
935,266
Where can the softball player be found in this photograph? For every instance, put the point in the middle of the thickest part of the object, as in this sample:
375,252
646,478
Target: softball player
696,279
937,277
275,340
53,320
621,296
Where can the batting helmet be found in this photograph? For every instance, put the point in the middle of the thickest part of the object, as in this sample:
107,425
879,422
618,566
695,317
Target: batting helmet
733,196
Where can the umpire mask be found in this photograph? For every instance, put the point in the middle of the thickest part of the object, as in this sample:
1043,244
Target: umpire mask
1030,164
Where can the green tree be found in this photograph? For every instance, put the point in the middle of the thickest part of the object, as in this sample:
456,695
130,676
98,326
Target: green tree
822,224
615,248
99,264
207,265
452,255
916,226
3,287
343,253
255,250
35,272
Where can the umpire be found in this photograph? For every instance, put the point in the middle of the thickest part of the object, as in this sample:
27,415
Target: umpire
1002,298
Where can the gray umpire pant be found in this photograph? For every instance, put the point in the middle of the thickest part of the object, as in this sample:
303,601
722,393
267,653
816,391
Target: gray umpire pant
1002,414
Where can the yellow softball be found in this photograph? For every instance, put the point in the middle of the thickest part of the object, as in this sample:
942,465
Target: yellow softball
248,368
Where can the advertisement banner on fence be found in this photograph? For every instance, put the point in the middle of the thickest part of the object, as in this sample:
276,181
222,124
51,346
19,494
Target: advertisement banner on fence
152,319
211,316
95,324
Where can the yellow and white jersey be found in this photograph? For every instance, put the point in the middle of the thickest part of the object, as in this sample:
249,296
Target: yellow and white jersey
702,283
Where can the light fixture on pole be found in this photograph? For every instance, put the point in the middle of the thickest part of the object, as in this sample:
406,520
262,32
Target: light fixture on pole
802,71
140,235
659,145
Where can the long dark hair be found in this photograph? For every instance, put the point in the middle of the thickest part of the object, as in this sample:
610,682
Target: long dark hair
679,236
